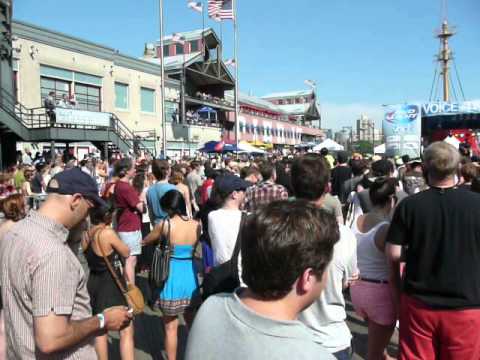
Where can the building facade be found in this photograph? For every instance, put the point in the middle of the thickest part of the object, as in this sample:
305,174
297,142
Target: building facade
366,130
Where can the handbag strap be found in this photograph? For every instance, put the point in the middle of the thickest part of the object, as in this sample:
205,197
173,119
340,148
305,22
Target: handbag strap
166,239
236,249
107,262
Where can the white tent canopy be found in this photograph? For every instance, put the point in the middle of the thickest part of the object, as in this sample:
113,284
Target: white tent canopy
329,144
380,149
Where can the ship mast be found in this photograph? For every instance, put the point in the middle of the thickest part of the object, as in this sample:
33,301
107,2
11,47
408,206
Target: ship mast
444,57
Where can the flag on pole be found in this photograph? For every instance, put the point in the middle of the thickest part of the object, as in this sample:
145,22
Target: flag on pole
216,18
230,62
226,10
178,38
196,6
214,7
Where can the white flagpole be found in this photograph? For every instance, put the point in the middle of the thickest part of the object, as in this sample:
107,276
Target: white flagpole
162,86
235,55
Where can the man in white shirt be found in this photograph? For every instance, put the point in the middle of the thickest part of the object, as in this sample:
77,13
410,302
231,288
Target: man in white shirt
327,315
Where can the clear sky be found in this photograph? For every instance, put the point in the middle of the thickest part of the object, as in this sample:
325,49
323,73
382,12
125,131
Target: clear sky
362,54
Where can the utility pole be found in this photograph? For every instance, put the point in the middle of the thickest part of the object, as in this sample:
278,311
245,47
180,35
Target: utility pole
162,86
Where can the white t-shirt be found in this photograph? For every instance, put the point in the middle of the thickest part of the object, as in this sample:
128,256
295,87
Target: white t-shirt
327,315
223,226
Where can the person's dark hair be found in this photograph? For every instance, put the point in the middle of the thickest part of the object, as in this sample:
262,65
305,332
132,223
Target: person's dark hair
310,176
266,169
358,167
173,203
382,190
160,169
324,151
405,159
284,239
382,167
13,207
469,171
138,182
122,166
194,165
475,184
342,157
101,214
210,173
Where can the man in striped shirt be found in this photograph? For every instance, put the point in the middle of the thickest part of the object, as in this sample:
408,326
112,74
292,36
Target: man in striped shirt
45,298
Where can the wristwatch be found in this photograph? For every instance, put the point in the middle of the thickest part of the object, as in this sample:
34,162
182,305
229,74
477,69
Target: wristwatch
101,320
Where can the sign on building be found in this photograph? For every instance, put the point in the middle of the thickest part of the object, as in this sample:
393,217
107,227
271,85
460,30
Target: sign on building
82,117
402,127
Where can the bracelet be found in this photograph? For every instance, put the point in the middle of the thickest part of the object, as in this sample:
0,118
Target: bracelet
101,320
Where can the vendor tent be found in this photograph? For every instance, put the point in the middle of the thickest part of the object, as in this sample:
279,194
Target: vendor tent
243,146
329,144
380,149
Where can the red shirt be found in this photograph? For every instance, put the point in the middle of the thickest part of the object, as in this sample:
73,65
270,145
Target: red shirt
126,201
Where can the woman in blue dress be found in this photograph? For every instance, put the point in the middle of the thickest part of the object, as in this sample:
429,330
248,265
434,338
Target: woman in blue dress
180,293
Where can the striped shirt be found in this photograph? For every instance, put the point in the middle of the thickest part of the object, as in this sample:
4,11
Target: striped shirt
40,275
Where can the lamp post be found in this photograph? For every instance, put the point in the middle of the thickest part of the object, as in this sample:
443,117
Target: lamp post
162,86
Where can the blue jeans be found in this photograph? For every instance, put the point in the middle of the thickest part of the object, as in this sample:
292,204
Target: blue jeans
345,354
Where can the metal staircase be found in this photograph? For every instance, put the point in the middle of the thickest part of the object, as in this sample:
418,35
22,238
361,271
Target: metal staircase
33,125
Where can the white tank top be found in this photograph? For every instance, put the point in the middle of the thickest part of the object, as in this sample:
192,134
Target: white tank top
371,262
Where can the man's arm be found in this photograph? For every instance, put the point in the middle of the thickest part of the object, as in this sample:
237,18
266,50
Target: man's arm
55,333
393,253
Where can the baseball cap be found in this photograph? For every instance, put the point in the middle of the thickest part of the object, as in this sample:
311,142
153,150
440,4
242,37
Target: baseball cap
230,183
75,181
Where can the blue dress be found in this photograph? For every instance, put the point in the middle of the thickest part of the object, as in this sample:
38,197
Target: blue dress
180,291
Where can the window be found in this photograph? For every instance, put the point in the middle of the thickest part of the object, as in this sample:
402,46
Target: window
59,87
171,111
88,97
147,100
166,51
193,46
179,49
121,96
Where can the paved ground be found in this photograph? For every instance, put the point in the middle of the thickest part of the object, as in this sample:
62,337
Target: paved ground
149,336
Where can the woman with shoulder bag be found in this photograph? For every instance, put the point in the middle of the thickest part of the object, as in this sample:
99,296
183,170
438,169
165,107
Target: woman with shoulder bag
101,244
179,294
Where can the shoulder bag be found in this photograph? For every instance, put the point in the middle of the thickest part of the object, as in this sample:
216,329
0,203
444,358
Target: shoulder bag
224,277
132,293
161,259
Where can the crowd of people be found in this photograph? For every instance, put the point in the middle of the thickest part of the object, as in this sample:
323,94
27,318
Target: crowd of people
298,235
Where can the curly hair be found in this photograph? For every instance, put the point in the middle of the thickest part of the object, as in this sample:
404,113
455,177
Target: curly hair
13,207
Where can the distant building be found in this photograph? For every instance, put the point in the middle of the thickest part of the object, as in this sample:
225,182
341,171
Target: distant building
366,130
301,106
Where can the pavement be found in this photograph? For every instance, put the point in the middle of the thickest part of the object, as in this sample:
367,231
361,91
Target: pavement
149,335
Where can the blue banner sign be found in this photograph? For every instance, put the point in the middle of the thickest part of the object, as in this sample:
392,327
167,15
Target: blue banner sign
402,127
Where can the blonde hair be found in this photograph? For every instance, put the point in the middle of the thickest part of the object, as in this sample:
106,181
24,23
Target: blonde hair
441,160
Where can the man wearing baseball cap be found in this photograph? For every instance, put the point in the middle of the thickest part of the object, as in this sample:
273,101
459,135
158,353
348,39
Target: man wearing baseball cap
46,303
224,223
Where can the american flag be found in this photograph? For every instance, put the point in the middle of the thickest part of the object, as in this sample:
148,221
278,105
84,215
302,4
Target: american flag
230,62
214,7
226,10
196,6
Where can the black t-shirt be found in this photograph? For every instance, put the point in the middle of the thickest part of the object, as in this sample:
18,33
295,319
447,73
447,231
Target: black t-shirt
340,174
440,230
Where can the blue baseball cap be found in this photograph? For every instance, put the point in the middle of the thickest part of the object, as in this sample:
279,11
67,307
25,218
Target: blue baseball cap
230,183
75,181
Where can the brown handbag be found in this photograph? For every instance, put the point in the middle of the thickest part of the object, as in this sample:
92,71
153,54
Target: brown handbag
133,295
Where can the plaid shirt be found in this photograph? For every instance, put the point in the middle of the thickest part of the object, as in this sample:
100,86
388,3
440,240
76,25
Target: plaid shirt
264,193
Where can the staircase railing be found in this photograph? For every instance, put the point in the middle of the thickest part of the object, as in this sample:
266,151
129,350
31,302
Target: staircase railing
35,118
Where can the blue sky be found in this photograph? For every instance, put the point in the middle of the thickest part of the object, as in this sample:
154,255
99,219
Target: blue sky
362,54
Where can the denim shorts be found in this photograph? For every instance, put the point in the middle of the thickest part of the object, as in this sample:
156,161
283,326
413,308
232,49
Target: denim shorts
133,239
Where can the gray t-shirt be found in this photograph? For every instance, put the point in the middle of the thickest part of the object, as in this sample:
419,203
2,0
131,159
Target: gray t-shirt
225,328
